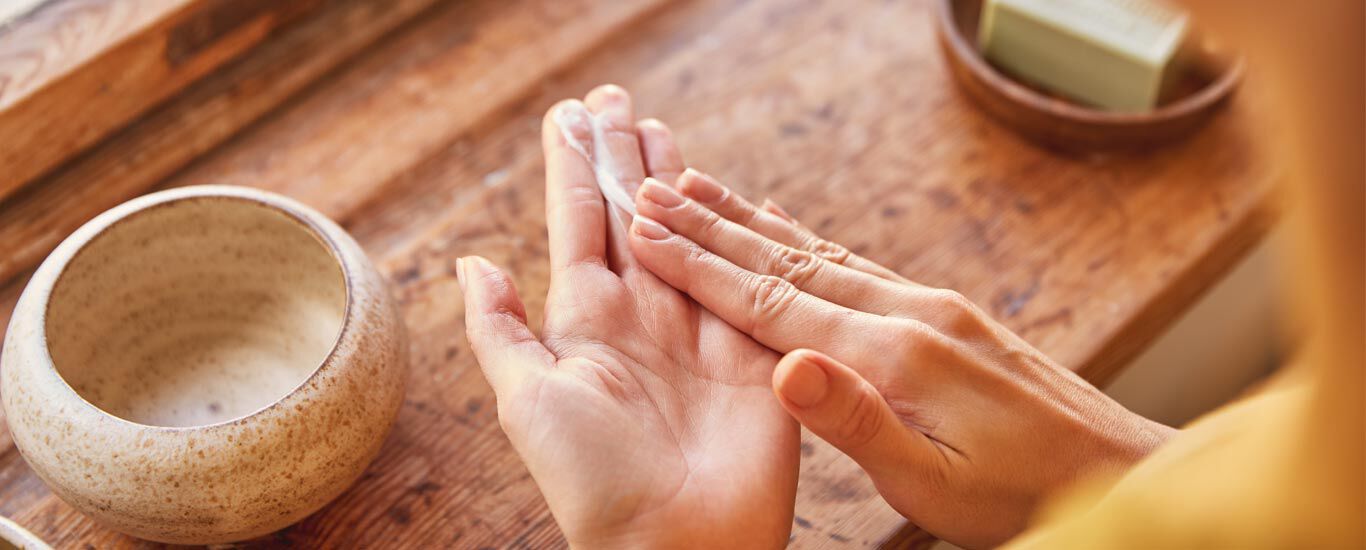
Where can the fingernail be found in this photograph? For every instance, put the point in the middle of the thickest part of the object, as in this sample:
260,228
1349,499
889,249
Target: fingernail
776,210
805,383
661,194
573,111
611,91
575,125
650,229
653,124
702,188
460,273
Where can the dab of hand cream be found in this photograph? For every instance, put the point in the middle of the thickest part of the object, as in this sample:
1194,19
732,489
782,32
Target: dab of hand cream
574,116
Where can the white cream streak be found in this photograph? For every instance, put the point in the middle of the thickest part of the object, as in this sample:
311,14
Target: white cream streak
609,178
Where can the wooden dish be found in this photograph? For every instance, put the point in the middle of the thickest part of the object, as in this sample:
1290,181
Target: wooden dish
1205,84
203,365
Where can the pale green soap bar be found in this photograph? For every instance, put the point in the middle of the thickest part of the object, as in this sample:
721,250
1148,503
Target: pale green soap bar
1111,54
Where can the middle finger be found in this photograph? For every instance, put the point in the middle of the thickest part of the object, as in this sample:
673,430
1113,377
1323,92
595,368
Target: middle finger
730,205
748,250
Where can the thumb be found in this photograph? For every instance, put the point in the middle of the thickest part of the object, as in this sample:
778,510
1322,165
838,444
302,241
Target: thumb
839,406
495,323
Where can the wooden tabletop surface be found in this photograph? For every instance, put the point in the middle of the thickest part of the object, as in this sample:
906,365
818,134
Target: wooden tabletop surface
419,135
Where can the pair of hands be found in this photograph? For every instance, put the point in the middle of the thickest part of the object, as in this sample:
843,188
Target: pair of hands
646,408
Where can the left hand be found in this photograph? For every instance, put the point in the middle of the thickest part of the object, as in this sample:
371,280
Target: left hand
646,420
963,426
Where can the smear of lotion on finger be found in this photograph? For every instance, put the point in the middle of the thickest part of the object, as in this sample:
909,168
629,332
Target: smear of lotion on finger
599,156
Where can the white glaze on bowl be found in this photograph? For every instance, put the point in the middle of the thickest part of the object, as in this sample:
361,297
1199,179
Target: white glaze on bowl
205,364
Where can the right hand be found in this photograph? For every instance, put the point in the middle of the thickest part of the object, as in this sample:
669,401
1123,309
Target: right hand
963,427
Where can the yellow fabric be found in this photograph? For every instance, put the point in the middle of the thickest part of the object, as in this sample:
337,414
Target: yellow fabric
1256,474
1283,468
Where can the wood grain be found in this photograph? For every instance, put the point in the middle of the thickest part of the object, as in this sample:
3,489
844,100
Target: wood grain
203,117
75,70
426,148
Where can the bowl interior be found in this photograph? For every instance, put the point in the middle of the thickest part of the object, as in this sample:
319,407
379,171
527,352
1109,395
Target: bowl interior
195,311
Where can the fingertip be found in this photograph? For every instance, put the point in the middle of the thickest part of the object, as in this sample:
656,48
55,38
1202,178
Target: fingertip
649,229
609,91
562,109
701,187
640,191
689,173
612,101
567,116
653,193
660,150
655,127
489,288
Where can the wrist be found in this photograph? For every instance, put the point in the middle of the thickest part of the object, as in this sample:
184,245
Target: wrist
1138,438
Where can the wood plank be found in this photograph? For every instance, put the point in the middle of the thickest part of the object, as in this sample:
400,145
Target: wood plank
76,70
1075,253
412,98
202,118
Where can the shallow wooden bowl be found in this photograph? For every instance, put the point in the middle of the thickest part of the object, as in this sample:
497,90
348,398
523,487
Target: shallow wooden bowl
203,365
1205,83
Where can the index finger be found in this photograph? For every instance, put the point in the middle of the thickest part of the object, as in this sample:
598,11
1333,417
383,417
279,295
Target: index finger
575,216
769,308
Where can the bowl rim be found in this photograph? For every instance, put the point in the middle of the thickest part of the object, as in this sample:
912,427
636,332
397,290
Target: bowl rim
292,211
1028,98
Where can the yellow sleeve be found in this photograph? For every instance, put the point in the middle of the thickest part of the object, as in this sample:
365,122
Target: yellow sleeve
1279,469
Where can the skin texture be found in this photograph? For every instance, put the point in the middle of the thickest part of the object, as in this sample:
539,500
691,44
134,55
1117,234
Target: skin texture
963,426
644,409
642,416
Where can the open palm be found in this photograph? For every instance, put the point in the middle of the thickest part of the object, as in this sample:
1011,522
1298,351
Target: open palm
637,411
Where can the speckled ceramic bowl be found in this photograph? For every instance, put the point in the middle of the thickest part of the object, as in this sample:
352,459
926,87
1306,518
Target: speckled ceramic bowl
201,365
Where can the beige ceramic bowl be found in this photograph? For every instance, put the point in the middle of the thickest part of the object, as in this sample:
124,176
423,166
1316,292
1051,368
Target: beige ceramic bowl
201,365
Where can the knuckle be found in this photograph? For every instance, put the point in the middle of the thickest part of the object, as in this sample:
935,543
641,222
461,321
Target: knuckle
864,419
914,339
957,314
829,251
708,223
748,214
694,256
951,299
772,296
695,259
923,348
795,266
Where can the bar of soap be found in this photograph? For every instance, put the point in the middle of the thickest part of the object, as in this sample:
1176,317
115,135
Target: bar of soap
1112,54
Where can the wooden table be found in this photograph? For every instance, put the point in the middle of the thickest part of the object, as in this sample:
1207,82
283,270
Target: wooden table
414,123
